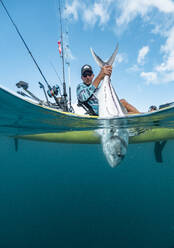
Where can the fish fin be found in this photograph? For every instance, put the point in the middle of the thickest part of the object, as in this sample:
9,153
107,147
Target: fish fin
110,61
158,148
99,61
16,144
113,56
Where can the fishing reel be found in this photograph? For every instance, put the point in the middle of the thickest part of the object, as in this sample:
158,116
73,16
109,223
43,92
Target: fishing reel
54,91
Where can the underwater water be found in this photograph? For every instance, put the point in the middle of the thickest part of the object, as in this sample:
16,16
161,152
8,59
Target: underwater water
64,195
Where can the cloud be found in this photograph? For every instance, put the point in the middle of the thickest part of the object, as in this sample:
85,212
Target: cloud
121,57
72,10
123,11
162,25
130,9
90,12
97,12
158,13
142,53
89,17
168,49
169,77
165,70
169,46
167,65
134,68
150,77
101,12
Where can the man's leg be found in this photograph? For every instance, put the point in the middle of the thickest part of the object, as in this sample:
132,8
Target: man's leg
130,109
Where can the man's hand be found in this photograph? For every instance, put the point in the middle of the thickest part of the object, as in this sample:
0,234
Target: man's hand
106,70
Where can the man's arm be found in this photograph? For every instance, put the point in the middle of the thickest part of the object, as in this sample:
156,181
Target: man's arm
105,70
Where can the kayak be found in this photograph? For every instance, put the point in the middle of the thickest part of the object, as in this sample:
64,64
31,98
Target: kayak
91,137
25,118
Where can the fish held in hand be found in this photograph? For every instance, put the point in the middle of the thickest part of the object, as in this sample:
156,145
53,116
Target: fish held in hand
114,140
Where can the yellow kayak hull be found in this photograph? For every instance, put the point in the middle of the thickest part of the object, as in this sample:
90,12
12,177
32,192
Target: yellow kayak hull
91,137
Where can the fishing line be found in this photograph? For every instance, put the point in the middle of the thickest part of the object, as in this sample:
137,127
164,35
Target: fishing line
53,67
25,44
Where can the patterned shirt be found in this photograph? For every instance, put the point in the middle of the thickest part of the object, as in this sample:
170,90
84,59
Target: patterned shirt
86,93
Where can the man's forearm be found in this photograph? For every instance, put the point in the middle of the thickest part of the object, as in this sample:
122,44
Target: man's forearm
97,80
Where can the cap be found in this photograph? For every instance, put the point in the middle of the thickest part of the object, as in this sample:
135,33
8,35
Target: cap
86,68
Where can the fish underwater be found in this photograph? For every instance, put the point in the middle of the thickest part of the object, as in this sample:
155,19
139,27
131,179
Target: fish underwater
114,140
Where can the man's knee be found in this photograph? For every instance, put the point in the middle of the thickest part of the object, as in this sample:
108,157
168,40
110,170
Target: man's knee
123,101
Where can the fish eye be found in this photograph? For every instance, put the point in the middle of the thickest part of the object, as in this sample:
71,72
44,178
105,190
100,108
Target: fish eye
120,155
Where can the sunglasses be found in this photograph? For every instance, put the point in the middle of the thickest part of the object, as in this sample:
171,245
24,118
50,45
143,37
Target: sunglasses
87,73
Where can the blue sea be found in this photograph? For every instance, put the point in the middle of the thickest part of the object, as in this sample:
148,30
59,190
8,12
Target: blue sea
67,196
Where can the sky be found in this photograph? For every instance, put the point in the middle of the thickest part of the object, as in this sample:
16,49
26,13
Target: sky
143,72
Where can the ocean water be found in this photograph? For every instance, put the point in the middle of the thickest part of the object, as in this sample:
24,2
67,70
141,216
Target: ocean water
64,195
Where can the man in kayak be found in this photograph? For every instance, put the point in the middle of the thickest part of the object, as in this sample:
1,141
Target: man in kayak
86,91
152,108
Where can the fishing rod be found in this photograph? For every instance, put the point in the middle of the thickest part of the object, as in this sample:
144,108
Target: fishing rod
67,61
24,86
49,87
42,87
23,94
63,65
69,82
